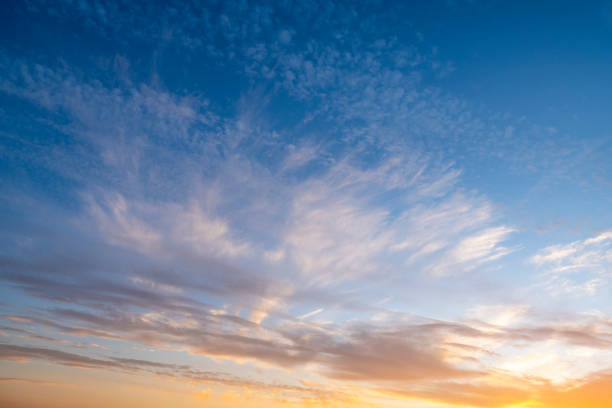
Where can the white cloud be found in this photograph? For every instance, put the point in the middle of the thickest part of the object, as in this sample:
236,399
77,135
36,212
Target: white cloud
115,219
312,313
338,228
578,268
500,316
161,229
474,250
332,237
205,234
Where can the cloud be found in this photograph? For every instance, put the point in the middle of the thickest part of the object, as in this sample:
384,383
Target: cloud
419,352
30,381
183,372
178,223
336,233
335,223
470,394
473,251
380,356
185,225
578,268
355,352
310,314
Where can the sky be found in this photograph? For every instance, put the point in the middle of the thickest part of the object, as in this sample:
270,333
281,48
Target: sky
305,204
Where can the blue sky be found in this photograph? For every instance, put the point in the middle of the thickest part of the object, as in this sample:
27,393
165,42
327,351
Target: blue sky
403,198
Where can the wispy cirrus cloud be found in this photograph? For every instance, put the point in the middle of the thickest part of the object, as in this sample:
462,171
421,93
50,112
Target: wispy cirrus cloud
578,268
372,354
183,372
283,187
334,224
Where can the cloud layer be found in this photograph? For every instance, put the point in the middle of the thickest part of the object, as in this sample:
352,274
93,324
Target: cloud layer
285,202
